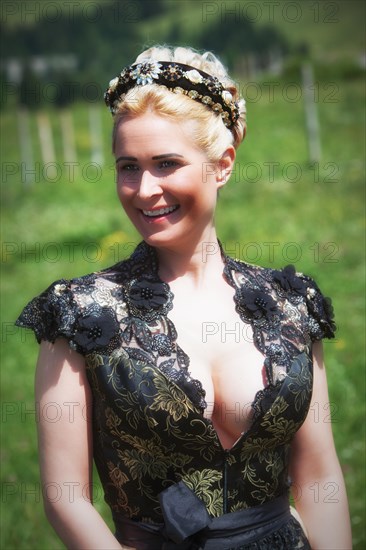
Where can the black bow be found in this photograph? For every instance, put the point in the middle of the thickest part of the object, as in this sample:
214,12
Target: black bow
184,513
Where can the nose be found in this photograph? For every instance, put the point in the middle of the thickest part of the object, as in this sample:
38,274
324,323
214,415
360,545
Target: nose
149,186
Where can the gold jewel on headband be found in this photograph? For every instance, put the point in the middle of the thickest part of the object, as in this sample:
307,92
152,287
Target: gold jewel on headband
178,78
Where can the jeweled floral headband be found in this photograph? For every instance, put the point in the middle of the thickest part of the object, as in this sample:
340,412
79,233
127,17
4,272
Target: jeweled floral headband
178,78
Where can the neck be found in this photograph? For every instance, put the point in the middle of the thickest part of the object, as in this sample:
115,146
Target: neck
196,263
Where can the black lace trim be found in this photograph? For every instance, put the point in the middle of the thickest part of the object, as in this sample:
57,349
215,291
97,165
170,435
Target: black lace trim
288,537
260,299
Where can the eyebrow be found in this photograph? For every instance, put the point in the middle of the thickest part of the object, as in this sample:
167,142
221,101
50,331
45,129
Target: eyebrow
125,158
157,157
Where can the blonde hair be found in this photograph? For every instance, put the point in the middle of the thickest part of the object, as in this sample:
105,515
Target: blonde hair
209,133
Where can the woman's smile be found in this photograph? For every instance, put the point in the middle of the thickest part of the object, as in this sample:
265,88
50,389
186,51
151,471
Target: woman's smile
159,213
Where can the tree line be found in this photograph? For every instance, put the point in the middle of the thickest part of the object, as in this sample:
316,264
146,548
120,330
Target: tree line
100,38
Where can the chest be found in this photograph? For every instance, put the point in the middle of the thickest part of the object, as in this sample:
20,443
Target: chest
223,358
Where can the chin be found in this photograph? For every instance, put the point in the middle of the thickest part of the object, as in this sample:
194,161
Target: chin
159,240
156,240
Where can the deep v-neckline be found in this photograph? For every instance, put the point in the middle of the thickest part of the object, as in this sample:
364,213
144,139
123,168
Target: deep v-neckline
251,420
255,305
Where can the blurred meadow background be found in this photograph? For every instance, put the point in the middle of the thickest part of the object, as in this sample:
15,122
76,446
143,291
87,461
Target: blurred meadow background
296,196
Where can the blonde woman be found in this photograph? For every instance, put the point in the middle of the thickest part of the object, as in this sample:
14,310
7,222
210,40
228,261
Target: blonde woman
198,441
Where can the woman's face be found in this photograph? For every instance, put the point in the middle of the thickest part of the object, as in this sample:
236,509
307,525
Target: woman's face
166,185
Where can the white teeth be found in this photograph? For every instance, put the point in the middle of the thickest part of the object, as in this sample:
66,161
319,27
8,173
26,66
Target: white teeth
161,211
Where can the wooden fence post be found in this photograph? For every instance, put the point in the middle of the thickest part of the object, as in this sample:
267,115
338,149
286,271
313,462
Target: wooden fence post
68,136
311,114
96,135
47,147
25,145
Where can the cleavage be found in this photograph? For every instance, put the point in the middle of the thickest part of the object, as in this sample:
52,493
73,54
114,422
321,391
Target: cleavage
224,359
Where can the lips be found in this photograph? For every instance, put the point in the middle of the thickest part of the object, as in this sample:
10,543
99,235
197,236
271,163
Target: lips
156,212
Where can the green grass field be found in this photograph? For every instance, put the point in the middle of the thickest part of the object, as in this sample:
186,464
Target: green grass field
277,209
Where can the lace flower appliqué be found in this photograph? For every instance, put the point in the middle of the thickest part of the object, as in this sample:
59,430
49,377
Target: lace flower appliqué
258,305
289,281
148,298
96,329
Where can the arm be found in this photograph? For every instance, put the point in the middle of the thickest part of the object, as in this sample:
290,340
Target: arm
65,448
319,489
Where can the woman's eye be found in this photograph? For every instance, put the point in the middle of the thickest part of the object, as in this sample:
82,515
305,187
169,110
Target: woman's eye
127,168
168,164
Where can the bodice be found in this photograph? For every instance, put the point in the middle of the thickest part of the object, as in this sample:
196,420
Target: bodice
149,426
